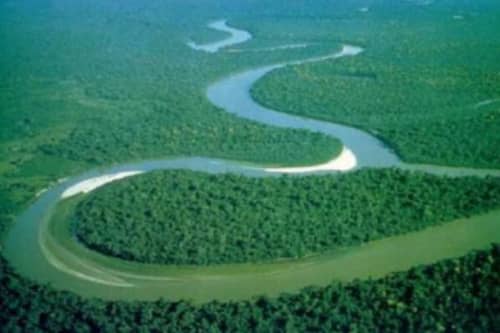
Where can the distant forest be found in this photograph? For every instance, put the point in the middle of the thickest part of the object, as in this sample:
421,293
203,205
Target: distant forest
86,84
429,87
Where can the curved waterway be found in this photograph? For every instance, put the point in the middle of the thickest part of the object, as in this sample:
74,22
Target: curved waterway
41,246
236,37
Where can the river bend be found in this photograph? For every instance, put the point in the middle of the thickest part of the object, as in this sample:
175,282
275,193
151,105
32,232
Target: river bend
41,247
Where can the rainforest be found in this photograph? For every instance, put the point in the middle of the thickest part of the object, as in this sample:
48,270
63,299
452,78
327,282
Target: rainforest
453,295
195,218
249,166
455,124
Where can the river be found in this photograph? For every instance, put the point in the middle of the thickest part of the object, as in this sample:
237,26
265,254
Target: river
41,246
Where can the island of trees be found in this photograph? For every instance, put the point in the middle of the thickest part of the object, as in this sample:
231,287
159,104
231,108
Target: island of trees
186,217
87,84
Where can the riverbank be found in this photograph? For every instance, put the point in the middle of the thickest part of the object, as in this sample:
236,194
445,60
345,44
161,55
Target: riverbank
237,37
33,250
344,162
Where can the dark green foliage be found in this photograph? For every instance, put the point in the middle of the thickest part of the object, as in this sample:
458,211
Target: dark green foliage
458,295
184,217
92,83
419,85
165,134
86,83
78,96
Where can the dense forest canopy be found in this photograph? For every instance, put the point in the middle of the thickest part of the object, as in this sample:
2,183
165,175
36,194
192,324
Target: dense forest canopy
77,92
428,86
186,217
87,84
458,295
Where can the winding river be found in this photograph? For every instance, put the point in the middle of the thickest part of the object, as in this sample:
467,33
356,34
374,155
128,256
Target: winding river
41,247
236,37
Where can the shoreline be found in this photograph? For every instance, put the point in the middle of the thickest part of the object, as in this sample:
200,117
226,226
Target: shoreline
344,162
237,37
67,265
94,183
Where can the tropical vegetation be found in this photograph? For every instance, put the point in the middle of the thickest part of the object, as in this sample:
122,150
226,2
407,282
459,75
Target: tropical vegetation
457,295
427,85
186,217
86,84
